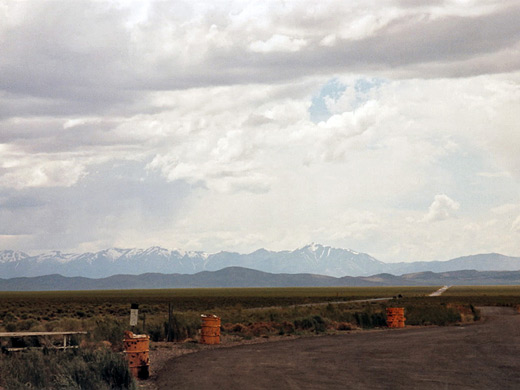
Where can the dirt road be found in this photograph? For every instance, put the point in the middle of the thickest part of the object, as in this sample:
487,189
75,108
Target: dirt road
439,292
478,356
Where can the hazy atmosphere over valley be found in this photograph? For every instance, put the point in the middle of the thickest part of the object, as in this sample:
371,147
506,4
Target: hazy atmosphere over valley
388,127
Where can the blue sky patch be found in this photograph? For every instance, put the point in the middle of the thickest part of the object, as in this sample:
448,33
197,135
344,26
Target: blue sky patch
332,89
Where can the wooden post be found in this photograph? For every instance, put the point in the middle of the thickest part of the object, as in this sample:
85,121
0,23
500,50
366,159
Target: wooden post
169,335
134,313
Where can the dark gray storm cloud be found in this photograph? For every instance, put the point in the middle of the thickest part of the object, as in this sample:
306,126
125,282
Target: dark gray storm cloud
78,57
188,123
407,41
120,196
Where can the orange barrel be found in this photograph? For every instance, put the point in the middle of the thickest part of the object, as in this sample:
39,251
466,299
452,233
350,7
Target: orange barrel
395,317
136,348
210,332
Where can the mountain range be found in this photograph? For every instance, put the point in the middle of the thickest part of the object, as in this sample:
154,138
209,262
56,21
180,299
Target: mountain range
244,277
311,259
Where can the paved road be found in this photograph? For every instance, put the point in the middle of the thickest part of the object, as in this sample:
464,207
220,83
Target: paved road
478,356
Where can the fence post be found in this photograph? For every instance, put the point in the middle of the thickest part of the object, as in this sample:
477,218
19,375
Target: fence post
169,336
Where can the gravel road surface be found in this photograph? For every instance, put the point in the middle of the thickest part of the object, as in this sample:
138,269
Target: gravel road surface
477,356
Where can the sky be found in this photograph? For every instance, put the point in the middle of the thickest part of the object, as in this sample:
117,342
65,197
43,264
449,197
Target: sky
387,127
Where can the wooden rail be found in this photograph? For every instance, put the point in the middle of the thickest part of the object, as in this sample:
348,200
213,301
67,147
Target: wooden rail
66,338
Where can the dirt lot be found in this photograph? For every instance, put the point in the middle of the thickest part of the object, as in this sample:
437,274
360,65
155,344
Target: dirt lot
477,356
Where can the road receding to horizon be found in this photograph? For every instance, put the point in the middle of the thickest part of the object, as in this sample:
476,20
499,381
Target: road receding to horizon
439,292
484,355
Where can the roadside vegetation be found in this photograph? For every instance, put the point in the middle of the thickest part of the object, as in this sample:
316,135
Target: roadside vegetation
85,369
245,314
104,314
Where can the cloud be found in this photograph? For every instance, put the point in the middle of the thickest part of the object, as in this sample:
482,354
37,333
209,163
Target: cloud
278,43
494,174
42,174
376,154
516,225
115,201
442,208
20,170
99,56
508,208
249,124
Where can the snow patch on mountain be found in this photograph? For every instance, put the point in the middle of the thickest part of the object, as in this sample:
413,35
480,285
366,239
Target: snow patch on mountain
113,253
313,259
56,256
8,256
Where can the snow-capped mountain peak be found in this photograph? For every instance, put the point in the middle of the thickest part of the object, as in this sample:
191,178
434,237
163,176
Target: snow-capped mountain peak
113,253
8,256
313,247
158,251
56,256
312,258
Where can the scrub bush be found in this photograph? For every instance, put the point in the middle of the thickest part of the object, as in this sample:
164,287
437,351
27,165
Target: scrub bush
79,369
315,324
433,314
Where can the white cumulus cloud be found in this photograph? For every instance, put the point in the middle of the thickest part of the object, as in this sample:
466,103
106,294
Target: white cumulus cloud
276,43
442,208
193,125
516,224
